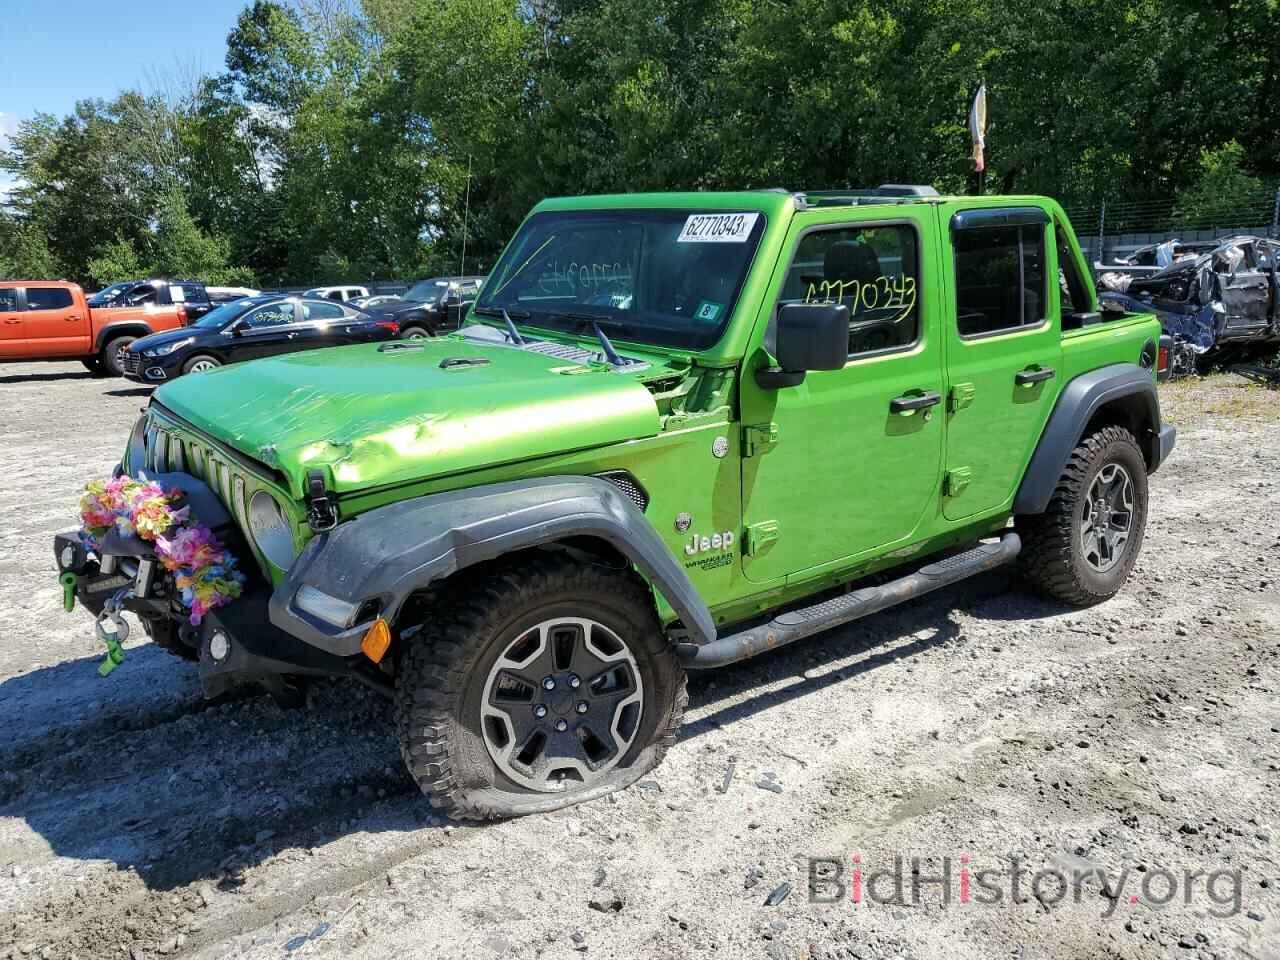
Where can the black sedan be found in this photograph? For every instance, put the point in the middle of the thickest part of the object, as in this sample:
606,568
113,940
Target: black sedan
250,328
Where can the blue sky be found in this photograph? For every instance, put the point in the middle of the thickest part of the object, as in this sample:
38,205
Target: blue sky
55,52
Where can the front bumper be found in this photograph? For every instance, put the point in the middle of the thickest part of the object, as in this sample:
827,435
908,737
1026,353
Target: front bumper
149,370
236,644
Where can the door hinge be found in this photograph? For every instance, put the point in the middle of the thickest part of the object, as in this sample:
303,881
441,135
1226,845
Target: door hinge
758,439
760,536
961,395
956,480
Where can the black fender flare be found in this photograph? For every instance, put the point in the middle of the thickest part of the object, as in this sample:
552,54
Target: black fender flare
388,553
132,328
1079,402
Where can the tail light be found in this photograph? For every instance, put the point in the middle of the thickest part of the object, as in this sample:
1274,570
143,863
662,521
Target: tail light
391,325
182,316
1163,358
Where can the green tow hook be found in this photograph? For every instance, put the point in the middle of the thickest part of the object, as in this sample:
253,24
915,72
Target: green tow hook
68,581
112,630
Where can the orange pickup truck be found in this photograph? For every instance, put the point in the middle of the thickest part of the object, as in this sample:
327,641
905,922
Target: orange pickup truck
50,320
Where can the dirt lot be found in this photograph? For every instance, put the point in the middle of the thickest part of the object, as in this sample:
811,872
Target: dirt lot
1139,737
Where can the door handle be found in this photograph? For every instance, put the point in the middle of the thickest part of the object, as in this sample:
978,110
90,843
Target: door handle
1024,378
12,320
910,403
73,318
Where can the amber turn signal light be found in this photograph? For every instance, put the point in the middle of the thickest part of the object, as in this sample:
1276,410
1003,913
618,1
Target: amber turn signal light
376,640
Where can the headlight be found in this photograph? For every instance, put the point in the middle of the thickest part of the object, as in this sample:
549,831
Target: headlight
168,348
271,530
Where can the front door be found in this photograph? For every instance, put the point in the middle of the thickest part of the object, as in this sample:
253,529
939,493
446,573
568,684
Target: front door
1004,344
54,325
12,342
856,459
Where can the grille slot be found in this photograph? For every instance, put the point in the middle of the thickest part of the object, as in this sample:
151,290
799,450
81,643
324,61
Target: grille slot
131,363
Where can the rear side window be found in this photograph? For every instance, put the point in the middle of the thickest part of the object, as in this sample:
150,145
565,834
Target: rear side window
873,270
48,298
193,293
1000,279
1074,291
8,299
320,310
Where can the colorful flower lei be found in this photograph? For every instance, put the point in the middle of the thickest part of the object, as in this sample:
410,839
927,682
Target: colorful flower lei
203,569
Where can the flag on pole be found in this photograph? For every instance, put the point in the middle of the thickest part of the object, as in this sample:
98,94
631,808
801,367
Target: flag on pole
978,127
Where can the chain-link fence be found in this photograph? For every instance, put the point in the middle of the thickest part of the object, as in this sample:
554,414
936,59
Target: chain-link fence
1117,227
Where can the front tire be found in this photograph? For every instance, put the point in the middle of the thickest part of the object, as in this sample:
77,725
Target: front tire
491,722
1081,549
201,363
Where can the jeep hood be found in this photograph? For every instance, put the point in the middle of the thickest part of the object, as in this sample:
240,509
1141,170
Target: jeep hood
375,416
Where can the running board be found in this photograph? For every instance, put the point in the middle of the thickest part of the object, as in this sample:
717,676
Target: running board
797,624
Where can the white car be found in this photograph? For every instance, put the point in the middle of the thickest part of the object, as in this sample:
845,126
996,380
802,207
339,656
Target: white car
341,294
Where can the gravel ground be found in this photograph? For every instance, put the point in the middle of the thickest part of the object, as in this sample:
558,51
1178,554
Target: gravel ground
982,731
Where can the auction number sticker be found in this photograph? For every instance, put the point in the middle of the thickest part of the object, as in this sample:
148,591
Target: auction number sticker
718,228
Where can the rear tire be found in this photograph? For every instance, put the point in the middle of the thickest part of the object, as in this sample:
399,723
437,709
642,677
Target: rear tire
1081,549
414,333
201,363
483,740
113,355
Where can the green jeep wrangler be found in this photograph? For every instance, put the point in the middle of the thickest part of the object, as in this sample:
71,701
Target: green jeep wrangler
674,432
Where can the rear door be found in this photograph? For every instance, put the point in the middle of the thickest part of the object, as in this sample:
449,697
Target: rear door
1003,345
54,324
12,342
322,323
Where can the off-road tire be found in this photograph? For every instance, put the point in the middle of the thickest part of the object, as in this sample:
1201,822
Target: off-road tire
164,634
443,668
1052,558
190,365
414,331
110,355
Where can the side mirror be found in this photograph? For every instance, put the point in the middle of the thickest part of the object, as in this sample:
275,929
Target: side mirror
810,336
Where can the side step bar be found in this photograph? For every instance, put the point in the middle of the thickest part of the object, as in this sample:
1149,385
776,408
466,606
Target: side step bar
797,624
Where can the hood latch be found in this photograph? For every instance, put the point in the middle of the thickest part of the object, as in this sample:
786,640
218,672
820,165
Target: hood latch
322,505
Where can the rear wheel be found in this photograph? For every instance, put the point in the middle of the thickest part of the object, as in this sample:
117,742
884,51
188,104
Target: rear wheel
201,363
544,686
1081,549
113,355
414,333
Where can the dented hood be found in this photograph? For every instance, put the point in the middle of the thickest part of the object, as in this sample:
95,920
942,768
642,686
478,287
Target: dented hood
382,416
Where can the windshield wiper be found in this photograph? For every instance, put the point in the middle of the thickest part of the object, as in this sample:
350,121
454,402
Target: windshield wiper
587,319
512,333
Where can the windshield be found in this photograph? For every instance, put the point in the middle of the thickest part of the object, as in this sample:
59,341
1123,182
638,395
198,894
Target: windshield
426,291
667,277
110,293
219,317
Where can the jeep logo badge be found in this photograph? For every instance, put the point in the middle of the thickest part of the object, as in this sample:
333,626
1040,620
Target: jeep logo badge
717,541
683,522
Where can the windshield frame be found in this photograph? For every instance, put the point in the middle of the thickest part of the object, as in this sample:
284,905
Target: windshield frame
622,324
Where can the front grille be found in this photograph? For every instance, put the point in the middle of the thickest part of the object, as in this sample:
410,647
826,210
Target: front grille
166,451
131,363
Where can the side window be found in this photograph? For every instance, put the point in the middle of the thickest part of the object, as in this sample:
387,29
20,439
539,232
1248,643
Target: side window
194,293
1000,278
334,295
272,315
8,299
873,270
1071,285
48,298
321,310
140,294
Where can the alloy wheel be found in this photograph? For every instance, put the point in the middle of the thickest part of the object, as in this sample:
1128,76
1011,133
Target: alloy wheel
561,705
1107,517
